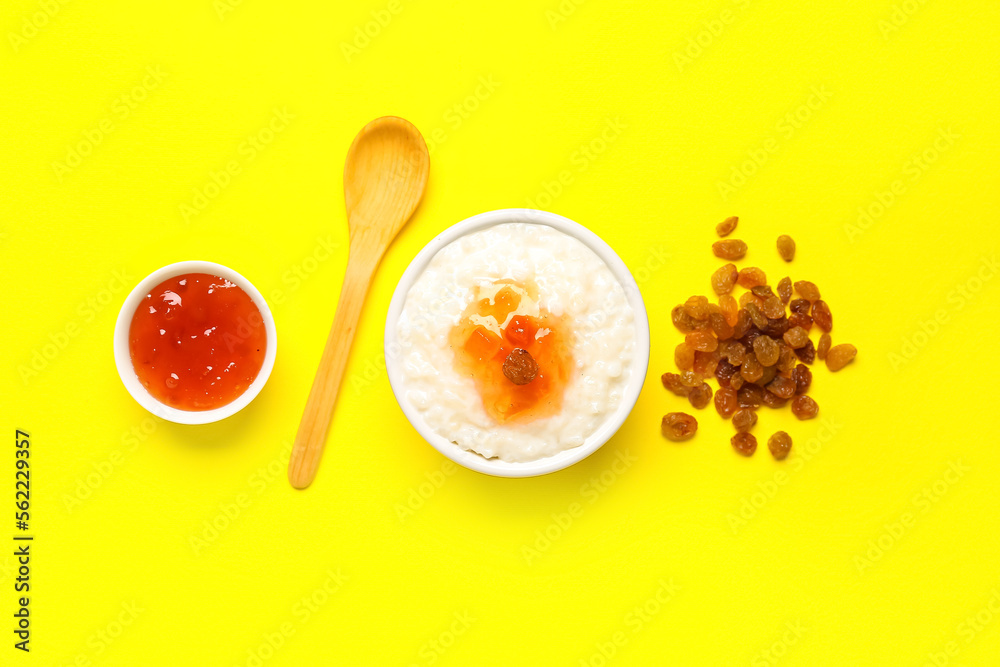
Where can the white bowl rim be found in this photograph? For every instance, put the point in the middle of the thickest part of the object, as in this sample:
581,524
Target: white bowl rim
123,359
630,394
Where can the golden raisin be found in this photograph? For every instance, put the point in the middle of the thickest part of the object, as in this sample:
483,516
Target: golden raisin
691,378
672,382
786,247
744,419
807,353
743,324
796,337
736,381
729,308
724,279
787,359
774,401
744,443
840,355
799,306
750,396
725,402
722,329
785,289
678,426
750,277
701,340
729,249
803,378
519,367
804,407
776,328
762,291
684,322
757,316
700,396
724,372
780,444
751,369
766,349
821,315
750,297
769,373
697,307
726,227
782,387
823,346
705,363
773,308
800,320
807,290
735,352
684,357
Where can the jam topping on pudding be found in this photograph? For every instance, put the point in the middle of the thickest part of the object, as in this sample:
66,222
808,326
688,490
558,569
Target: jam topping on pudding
518,354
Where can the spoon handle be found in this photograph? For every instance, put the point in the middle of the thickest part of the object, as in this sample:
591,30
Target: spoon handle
311,437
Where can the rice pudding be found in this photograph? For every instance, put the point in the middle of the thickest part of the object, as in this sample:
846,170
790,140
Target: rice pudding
516,342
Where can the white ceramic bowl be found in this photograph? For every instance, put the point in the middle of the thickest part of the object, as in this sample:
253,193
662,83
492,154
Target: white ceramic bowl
631,391
123,358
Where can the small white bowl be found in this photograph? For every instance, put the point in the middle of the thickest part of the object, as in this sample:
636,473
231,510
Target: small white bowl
631,391
123,358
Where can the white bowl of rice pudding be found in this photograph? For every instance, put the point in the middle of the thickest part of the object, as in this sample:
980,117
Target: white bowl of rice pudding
517,342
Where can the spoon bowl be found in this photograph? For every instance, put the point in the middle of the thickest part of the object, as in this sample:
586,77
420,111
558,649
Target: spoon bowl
384,176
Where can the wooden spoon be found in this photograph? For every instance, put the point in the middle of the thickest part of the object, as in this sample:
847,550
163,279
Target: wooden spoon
384,179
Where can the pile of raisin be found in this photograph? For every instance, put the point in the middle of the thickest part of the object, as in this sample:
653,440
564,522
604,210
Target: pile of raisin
759,353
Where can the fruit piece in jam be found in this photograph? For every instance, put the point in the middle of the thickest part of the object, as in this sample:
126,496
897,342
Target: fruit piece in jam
504,328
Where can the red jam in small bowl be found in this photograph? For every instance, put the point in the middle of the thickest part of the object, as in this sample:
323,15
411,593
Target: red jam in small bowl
197,342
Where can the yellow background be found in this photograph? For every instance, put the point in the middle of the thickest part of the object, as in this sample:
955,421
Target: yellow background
688,553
